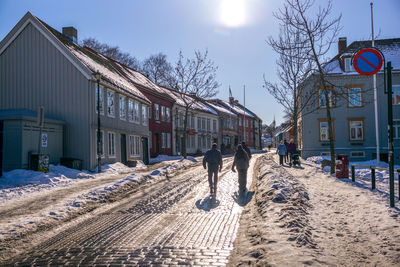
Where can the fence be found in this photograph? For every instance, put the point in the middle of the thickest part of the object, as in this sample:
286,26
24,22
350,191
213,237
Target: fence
373,178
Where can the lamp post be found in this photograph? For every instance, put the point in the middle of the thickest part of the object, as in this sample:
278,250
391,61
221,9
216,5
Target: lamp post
99,141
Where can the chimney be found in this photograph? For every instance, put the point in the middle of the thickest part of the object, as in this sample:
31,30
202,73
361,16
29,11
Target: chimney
71,33
342,44
231,100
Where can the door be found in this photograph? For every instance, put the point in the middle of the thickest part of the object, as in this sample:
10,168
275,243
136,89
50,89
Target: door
156,147
145,148
123,149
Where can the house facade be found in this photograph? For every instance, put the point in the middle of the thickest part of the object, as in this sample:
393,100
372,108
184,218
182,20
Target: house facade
40,66
352,98
228,127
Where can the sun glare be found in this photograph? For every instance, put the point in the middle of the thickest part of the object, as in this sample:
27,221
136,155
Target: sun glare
232,13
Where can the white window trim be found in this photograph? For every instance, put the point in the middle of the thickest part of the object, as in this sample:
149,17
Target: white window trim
131,111
113,107
111,156
145,120
136,118
124,101
362,130
101,89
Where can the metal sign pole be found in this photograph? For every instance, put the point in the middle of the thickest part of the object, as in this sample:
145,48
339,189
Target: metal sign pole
390,133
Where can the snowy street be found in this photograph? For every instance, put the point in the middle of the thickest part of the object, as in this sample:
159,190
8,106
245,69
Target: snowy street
291,217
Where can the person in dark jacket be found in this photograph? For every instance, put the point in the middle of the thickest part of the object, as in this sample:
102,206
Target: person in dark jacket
245,148
241,162
291,148
213,159
286,155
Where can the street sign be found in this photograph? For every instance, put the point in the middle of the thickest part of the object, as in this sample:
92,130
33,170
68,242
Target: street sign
368,61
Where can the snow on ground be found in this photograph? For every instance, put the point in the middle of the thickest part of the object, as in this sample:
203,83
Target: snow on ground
304,216
71,190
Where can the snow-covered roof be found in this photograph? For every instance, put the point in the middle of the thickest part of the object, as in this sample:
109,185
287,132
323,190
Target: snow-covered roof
220,108
389,47
236,109
111,71
197,105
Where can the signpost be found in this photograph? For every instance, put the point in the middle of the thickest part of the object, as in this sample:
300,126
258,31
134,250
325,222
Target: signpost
369,61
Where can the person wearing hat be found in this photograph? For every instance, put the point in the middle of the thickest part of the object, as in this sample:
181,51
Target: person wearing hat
213,159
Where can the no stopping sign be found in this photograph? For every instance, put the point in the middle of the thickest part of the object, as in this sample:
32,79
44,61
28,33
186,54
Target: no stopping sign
368,61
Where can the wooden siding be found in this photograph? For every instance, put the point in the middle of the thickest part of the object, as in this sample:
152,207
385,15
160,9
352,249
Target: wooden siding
33,73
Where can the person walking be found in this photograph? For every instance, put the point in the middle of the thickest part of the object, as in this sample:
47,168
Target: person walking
213,159
281,151
241,162
245,148
291,148
286,155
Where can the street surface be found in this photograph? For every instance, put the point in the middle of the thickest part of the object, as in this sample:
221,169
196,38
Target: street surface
171,222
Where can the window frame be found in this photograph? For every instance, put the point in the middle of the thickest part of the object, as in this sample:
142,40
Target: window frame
131,110
352,156
145,120
319,130
111,145
101,91
395,93
332,104
396,129
156,112
349,120
356,86
110,112
348,67
122,97
136,108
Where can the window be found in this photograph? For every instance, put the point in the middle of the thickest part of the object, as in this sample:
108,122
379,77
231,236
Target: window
357,154
354,97
131,112
111,145
323,130
240,121
214,125
348,65
396,129
192,119
110,103
203,123
247,122
101,101
203,141
144,115
150,112
208,125
122,107
198,123
156,112
180,116
199,141
134,145
163,116
137,118
168,140
322,99
208,141
165,140
167,114
396,95
356,129
101,144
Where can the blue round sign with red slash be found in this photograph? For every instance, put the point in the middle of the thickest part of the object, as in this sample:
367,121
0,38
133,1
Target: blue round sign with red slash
368,61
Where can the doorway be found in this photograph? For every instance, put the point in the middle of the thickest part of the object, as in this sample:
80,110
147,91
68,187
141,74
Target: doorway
123,149
145,147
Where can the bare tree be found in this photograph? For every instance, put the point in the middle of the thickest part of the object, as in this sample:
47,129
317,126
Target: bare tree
112,52
317,33
194,78
292,71
158,69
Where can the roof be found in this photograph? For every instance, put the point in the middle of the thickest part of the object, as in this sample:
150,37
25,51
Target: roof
220,108
389,47
236,108
112,72
25,114
197,105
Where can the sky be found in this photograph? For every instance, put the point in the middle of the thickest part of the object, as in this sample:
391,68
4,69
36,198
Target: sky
233,31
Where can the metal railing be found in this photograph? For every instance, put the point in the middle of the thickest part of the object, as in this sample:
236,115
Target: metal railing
373,177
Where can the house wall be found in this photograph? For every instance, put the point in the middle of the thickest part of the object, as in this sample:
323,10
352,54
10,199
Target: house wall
115,124
157,127
341,113
33,72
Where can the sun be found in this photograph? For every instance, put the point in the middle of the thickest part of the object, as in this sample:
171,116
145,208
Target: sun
233,13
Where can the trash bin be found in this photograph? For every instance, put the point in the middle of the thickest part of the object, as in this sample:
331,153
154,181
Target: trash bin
39,162
71,163
342,166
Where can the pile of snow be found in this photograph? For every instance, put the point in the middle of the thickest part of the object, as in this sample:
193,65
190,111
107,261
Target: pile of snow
175,165
161,158
318,159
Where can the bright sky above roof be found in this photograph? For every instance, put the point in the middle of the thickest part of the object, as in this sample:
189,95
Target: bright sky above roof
234,32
